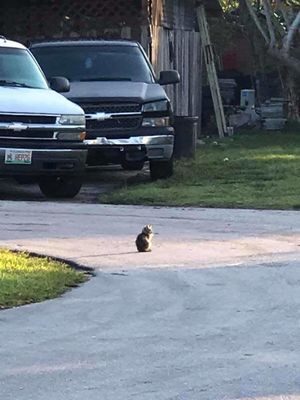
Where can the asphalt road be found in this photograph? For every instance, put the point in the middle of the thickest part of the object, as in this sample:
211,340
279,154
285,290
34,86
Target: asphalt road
212,313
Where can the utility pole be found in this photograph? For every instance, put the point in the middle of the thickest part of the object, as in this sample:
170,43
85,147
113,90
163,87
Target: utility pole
211,70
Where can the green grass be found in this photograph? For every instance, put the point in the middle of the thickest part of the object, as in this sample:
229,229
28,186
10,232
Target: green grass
254,170
25,279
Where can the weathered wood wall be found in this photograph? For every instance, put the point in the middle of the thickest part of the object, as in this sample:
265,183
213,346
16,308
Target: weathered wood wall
179,50
177,45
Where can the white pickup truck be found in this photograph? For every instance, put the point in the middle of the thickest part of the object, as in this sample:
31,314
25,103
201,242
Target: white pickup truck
41,132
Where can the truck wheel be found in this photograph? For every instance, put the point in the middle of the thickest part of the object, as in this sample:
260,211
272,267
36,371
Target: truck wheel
161,169
132,165
60,187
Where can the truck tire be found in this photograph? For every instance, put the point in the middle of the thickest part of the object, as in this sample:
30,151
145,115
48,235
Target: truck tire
161,169
132,165
56,187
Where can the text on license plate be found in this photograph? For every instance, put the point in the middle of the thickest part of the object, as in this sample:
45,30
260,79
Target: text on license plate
15,156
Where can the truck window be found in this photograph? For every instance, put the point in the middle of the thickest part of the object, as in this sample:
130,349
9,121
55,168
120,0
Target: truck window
94,63
18,68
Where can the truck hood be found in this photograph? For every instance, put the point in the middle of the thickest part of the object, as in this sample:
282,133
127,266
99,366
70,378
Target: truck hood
116,91
35,101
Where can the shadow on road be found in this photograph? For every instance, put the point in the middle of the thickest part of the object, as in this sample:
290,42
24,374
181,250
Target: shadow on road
96,182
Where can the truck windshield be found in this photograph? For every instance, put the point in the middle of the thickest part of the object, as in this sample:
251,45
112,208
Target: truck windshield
19,69
94,63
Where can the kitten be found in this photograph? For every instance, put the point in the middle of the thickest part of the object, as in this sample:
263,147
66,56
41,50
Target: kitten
144,240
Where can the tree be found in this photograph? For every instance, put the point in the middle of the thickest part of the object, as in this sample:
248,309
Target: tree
278,28
278,24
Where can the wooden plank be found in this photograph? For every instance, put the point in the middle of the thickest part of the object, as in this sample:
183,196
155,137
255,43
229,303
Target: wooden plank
211,71
145,38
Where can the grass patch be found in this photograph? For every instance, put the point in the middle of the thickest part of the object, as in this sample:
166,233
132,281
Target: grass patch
254,170
25,279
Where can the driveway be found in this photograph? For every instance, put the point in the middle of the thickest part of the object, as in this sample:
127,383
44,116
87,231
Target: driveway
212,313
96,181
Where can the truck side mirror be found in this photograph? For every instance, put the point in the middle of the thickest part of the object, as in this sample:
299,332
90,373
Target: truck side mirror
59,84
169,77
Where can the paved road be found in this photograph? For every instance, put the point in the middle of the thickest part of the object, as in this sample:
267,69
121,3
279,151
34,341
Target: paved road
212,313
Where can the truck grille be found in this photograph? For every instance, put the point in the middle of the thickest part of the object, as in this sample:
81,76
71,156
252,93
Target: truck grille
28,119
44,135
118,119
117,108
114,123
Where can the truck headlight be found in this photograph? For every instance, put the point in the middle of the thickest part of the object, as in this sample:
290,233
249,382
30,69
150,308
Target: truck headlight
156,106
71,120
152,122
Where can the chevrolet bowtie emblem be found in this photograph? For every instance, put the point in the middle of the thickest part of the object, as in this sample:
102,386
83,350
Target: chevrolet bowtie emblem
101,116
17,127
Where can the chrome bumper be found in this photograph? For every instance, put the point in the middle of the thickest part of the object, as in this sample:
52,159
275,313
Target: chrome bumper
158,147
18,127
46,162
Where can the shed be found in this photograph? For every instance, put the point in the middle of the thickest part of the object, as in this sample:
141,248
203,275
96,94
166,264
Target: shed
167,30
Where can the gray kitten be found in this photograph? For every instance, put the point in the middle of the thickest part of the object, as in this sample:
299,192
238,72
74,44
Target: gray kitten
144,240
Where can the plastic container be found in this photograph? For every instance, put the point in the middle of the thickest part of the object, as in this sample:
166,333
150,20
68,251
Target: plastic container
248,98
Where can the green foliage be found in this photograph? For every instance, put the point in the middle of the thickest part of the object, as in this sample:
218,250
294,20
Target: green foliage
246,171
229,5
25,279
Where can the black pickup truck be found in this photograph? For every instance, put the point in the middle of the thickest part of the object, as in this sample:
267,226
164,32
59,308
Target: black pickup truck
128,113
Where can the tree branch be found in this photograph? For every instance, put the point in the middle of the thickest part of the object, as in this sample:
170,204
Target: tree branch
256,21
288,40
268,14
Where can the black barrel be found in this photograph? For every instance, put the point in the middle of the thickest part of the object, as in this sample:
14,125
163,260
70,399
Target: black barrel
186,129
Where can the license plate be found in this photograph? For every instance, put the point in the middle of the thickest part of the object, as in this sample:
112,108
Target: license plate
15,156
